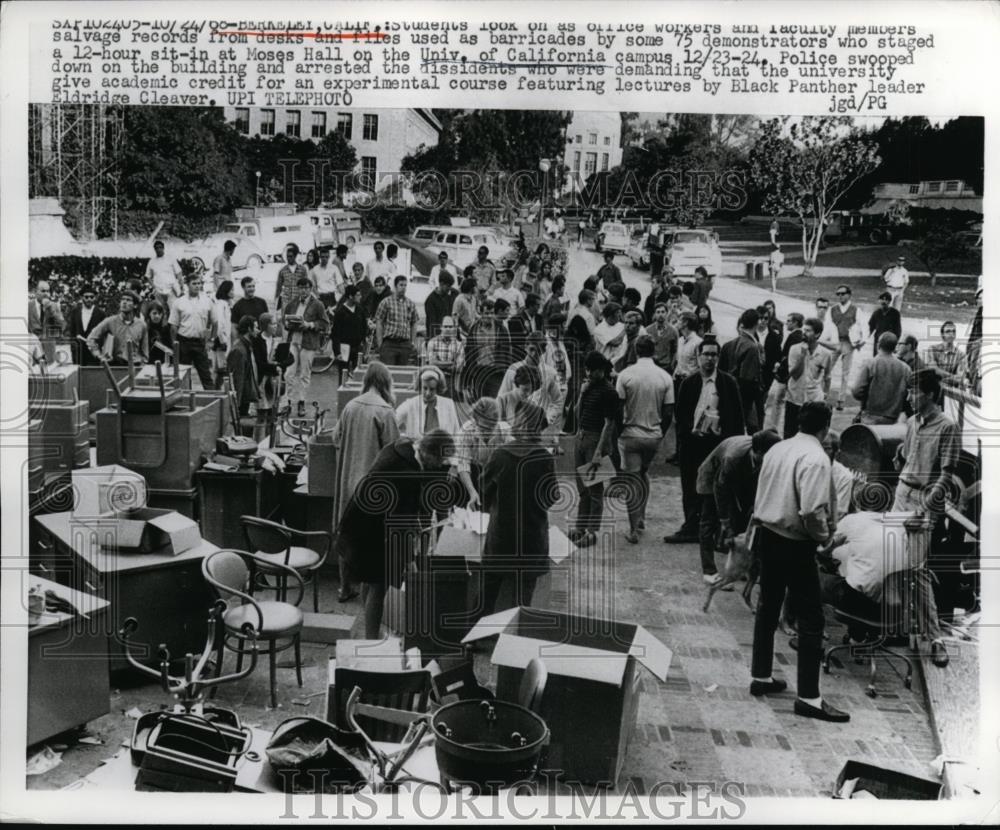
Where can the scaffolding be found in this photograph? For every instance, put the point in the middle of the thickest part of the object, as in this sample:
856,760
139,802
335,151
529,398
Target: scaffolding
74,152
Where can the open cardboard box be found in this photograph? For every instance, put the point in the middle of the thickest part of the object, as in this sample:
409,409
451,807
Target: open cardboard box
592,695
107,489
148,530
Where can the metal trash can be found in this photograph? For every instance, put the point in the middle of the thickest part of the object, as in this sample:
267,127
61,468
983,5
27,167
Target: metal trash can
758,270
870,449
748,273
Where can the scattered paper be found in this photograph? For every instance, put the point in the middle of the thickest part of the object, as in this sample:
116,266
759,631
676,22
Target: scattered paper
300,701
90,740
470,520
42,762
603,472
133,713
303,477
711,688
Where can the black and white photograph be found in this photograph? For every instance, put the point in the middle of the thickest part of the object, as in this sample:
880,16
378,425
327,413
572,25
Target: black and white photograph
626,463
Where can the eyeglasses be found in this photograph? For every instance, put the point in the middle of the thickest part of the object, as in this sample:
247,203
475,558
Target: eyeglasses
841,293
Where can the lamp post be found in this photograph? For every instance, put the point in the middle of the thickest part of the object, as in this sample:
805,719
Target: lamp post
257,191
543,166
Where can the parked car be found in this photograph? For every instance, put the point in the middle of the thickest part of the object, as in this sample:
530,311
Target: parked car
614,237
687,249
638,249
463,244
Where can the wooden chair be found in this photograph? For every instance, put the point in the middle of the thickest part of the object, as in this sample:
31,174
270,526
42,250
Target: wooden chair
406,690
275,543
231,575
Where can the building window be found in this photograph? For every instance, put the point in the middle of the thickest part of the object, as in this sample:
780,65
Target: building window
368,172
579,139
267,122
914,189
604,161
590,164
293,123
345,124
576,162
933,187
243,120
369,130
951,187
592,138
607,141
319,124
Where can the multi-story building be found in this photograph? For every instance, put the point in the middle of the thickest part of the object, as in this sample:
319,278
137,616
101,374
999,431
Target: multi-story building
381,138
593,145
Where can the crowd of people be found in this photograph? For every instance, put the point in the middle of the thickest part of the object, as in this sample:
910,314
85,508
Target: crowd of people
508,359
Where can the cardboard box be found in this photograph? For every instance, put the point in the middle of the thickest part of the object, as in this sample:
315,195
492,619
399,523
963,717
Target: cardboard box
146,529
59,383
592,694
107,489
883,783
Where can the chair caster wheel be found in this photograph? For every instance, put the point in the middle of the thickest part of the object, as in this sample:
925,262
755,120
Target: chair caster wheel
870,691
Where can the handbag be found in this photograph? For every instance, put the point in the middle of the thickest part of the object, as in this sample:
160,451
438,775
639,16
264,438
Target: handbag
309,754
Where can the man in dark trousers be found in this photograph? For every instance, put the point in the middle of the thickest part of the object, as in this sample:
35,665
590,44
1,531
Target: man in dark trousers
708,409
244,375
793,508
741,357
884,318
83,319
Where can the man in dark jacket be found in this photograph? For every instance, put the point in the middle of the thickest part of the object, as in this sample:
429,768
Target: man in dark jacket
83,319
350,326
741,357
884,318
520,489
242,366
379,537
775,405
439,303
708,409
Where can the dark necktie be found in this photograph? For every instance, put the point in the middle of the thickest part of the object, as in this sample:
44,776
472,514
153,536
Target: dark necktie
431,417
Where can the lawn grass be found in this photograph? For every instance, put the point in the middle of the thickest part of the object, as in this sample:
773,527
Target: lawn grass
941,302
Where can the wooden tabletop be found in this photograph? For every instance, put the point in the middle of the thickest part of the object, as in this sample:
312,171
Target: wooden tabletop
86,603
82,535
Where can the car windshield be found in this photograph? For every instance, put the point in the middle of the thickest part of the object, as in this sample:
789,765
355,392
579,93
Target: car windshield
689,236
232,229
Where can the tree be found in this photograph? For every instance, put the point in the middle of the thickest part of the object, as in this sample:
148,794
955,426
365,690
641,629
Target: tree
936,246
181,160
804,169
490,158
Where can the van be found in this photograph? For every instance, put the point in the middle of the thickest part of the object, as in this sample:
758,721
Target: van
332,227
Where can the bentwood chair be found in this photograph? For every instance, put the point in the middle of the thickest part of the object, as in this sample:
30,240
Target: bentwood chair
304,551
231,574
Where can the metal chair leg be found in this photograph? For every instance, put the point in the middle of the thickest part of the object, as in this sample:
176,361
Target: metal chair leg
298,659
239,656
315,581
219,656
272,671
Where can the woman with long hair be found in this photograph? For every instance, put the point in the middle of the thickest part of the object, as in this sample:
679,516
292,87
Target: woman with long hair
157,331
366,426
475,442
222,316
705,325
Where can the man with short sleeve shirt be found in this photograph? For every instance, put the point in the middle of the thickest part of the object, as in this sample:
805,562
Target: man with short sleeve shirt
324,280
796,513
897,278
165,275
396,325
809,368
647,393
380,266
191,327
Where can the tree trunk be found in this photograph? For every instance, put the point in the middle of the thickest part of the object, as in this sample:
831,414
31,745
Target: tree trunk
806,264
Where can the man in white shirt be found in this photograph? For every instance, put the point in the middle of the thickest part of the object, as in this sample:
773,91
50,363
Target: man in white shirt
222,267
687,348
380,266
503,289
165,275
443,265
796,514
324,277
191,327
897,278
549,395
774,263
609,334
647,392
